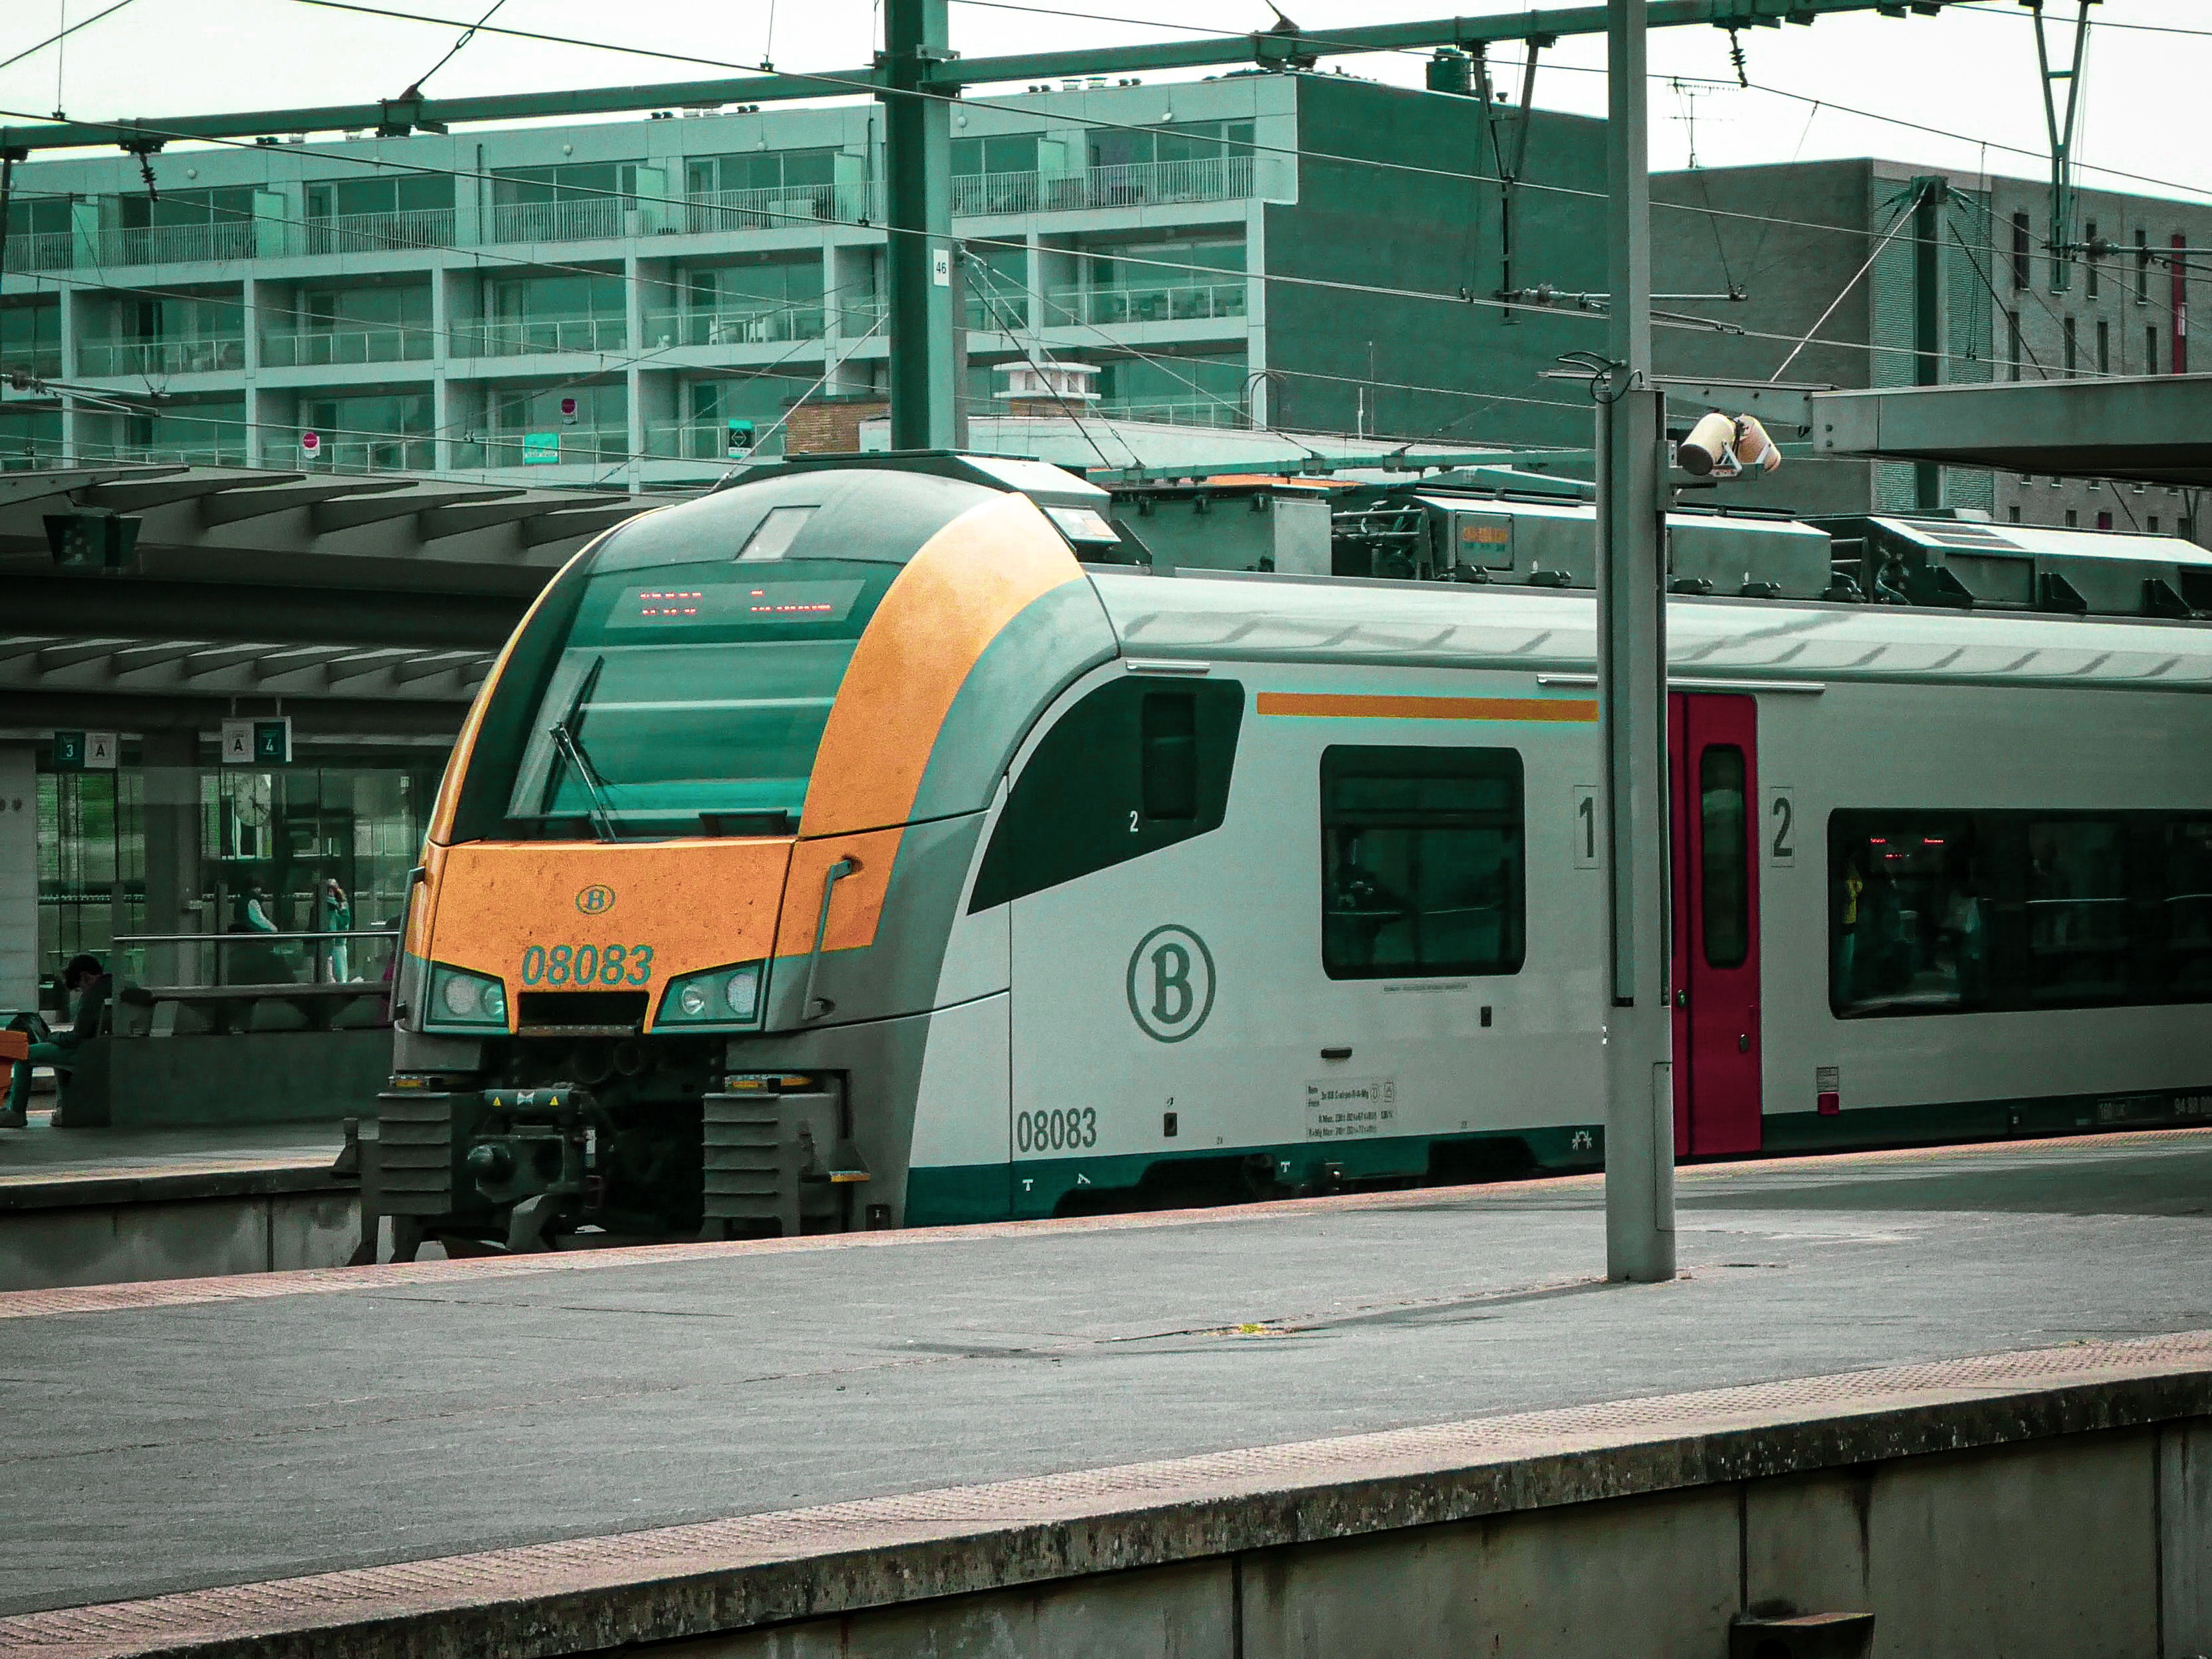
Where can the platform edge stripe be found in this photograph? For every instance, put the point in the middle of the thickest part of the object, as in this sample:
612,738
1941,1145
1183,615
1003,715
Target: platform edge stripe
706,1577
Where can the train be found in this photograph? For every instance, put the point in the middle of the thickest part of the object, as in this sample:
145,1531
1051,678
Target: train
914,839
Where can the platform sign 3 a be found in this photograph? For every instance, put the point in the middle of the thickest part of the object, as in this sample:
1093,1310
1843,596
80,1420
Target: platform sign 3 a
258,742
86,751
541,448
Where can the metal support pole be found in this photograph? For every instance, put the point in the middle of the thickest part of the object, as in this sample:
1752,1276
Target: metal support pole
1639,1107
918,209
1927,308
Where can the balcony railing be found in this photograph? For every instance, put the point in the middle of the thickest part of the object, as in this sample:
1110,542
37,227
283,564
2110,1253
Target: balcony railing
759,326
591,219
700,441
43,362
318,348
1182,303
994,313
575,447
225,451
1187,412
791,205
531,336
975,194
1150,184
100,358
1140,184
355,233
22,454
163,245
44,250
368,451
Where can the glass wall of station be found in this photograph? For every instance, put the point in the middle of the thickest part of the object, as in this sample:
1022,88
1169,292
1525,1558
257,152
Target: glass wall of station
238,856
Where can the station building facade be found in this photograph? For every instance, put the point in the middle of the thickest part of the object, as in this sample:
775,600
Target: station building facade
1969,292
597,303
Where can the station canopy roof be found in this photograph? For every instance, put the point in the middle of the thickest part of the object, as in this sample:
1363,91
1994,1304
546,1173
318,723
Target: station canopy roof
378,593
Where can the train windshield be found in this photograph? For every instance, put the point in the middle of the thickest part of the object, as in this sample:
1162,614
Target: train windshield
692,696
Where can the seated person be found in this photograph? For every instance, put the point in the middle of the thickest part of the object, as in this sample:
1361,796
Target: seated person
90,987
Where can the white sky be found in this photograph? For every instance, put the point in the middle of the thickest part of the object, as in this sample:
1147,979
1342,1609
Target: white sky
1971,71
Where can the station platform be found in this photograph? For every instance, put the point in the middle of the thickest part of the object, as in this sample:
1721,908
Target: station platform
100,1206
254,1454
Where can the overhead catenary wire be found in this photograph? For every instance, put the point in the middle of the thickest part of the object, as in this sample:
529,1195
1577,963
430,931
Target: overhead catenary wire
838,85
1461,298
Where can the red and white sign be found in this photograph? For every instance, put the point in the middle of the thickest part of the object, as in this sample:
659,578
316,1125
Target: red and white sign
568,409
310,442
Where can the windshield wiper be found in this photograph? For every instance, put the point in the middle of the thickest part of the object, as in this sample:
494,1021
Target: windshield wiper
571,748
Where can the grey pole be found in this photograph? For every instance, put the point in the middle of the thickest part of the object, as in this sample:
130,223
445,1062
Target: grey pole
919,258
1639,1109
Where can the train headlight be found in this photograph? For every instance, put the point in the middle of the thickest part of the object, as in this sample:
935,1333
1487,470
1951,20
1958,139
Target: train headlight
459,999
741,992
721,998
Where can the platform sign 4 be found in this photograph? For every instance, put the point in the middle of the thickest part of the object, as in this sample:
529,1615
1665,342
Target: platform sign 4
259,742
541,448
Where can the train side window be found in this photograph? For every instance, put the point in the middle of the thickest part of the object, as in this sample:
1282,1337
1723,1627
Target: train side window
2186,907
1168,730
1724,879
1134,768
1422,869
1909,913
2077,910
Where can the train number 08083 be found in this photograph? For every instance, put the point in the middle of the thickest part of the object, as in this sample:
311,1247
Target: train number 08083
1071,1131
587,964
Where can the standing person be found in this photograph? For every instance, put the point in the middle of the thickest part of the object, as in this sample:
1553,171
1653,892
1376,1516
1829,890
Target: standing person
88,984
337,918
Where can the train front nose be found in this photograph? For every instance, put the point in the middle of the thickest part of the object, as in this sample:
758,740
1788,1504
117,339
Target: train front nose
615,940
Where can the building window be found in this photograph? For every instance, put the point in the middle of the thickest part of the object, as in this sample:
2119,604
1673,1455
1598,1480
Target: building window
2015,511
408,192
761,169
2096,265
2151,524
1012,152
2020,273
2072,519
2104,521
2150,348
2104,347
2012,341
1421,861
1187,141
2143,264
2073,349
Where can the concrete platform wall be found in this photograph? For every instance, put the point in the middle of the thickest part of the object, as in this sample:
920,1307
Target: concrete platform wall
130,1239
2088,1546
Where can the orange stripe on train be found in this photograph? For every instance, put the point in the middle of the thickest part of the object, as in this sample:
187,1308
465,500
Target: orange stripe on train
1313,705
954,598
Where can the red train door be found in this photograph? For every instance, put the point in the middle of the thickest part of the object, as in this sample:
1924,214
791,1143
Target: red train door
1712,748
